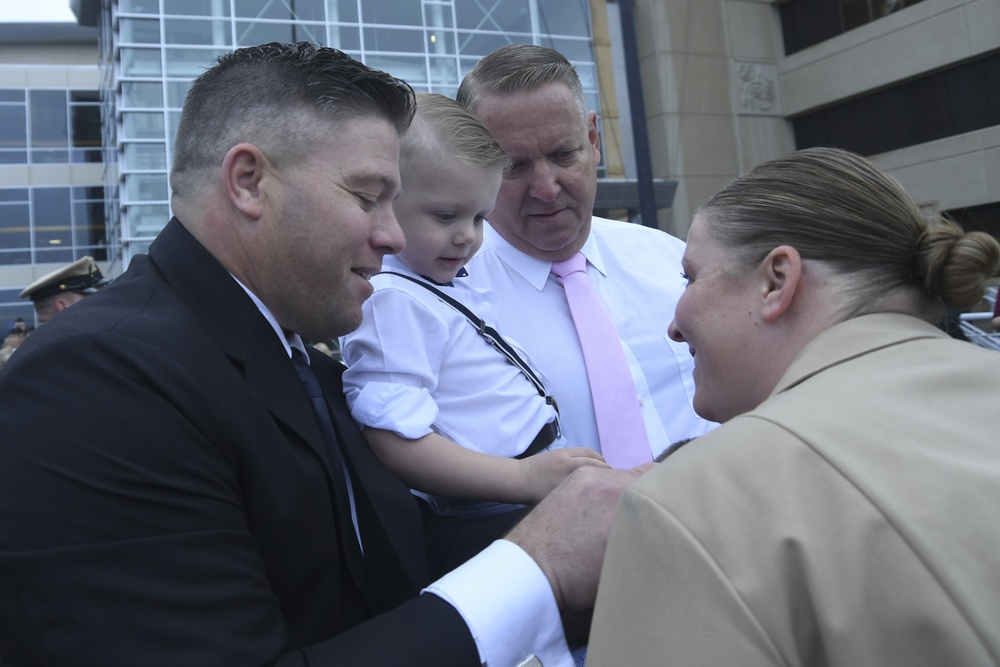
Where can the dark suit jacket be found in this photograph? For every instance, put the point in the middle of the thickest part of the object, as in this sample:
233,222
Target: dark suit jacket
164,499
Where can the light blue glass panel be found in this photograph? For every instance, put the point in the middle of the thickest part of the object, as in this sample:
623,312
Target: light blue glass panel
440,41
480,44
51,209
147,219
392,12
142,157
138,7
142,94
260,32
499,15
139,31
394,39
564,18
438,15
13,126
14,222
344,37
197,32
216,8
345,11
574,49
145,187
141,62
303,10
141,125
190,63
443,72
177,92
411,70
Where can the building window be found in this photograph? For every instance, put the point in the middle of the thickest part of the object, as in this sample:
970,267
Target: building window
51,224
808,22
50,126
954,101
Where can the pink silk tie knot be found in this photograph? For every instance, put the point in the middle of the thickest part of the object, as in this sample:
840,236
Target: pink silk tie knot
624,442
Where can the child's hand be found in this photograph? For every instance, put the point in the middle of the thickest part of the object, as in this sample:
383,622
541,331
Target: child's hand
542,472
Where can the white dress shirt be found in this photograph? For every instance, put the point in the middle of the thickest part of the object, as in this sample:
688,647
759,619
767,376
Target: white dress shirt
636,271
501,592
416,366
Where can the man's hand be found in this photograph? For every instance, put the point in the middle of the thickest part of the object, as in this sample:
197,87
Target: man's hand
567,532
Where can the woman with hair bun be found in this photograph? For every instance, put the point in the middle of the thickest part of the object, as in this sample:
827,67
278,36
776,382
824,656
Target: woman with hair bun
845,511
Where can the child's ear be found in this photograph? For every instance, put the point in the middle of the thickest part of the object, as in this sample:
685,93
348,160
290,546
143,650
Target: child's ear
782,273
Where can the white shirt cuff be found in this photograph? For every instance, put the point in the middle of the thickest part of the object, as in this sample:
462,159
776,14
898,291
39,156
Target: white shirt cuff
508,605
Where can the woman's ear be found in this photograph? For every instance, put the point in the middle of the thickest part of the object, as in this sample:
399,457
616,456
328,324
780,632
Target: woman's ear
782,270
243,168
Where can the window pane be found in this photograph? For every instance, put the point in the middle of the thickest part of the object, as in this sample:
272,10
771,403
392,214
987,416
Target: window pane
88,224
345,38
148,220
13,126
138,6
250,34
141,62
146,187
440,42
304,10
140,31
470,44
49,125
412,70
14,226
444,72
145,157
139,125
218,8
198,32
564,18
393,39
7,95
573,49
342,10
51,209
392,12
176,93
190,63
142,94
500,16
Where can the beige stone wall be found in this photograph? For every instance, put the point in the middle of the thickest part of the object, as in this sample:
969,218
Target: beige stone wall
718,91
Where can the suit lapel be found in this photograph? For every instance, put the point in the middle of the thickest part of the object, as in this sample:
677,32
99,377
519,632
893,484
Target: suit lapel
388,514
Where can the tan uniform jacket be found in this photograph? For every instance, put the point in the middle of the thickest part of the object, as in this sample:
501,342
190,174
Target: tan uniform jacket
853,519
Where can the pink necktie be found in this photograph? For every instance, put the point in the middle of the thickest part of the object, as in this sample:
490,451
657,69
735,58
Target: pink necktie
624,442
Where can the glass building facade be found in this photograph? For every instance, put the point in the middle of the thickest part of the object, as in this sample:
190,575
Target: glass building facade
152,49
51,157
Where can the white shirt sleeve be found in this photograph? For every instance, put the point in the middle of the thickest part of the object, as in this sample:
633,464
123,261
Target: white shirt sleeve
508,605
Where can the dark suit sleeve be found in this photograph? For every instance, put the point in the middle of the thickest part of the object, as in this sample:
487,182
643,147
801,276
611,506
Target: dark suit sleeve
150,515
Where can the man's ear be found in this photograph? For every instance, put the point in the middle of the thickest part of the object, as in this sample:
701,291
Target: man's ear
782,271
243,170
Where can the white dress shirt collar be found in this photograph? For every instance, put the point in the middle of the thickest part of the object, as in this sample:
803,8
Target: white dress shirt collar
536,271
288,339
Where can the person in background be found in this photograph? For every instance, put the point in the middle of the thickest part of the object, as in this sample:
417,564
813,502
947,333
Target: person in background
56,291
531,100
205,497
11,342
444,409
844,513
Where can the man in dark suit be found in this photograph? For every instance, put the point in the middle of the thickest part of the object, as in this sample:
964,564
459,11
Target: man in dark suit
193,506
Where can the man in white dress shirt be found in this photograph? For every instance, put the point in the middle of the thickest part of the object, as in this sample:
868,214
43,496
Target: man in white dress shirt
532,101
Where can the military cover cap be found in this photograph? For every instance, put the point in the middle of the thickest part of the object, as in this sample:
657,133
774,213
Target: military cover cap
81,276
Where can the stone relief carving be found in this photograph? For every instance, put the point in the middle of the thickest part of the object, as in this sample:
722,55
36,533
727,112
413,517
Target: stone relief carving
758,88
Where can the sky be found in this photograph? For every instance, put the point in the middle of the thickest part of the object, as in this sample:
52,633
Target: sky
30,11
